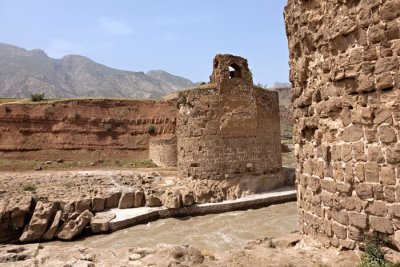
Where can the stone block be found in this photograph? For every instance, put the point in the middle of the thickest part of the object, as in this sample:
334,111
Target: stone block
387,175
377,208
382,225
340,216
390,194
358,220
384,81
364,190
359,151
339,230
387,134
352,203
359,172
375,153
371,172
98,204
352,133
355,234
344,188
127,199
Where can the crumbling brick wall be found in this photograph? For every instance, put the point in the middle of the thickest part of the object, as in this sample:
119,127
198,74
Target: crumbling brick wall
229,127
344,60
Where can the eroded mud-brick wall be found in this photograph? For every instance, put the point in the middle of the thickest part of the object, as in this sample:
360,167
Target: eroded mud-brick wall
344,59
228,127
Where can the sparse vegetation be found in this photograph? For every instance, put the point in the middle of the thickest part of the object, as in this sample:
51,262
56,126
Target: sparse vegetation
373,255
37,97
182,99
77,116
8,109
151,129
271,243
29,187
108,127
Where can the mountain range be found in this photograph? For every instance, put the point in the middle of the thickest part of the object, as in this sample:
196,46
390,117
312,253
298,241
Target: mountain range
25,72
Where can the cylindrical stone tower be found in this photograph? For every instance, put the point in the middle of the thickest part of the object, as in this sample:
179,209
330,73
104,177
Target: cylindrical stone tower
344,59
229,128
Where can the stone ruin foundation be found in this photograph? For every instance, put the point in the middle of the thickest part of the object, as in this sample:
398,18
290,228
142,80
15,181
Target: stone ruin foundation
228,131
344,60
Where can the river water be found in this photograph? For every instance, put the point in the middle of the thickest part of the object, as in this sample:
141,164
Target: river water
214,232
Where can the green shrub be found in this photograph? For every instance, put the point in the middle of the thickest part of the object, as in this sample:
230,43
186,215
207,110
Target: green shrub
151,129
373,255
29,187
8,109
37,97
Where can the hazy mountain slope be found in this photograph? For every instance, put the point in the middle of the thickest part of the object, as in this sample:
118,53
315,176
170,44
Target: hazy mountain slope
23,72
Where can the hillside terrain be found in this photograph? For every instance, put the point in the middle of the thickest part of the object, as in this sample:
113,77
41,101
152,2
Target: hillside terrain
24,72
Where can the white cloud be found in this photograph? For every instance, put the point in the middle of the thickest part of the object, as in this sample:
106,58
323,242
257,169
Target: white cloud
114,26
57,48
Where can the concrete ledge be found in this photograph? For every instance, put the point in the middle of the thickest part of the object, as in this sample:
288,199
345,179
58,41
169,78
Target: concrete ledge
130,217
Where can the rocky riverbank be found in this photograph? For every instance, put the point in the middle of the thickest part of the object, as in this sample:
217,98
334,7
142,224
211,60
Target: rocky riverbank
36,206
290,250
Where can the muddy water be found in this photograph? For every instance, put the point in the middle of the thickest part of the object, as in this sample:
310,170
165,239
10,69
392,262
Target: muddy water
216,232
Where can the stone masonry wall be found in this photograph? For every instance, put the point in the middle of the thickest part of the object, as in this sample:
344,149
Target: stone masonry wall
228,128
163,152
344,59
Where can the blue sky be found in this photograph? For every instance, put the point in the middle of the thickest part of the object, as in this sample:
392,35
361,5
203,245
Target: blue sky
179,36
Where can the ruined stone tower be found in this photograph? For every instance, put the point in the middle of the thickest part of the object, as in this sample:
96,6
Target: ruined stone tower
344,60
229,129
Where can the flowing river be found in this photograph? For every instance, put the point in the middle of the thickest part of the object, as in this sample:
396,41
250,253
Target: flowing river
215,232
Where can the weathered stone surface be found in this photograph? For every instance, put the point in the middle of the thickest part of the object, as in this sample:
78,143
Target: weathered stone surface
41,218
187,198
98,204
53,227
358,220
140,200
152,200
112,200
74,227
380,224
172,200
127,199
233,107
377,208
361,134
100,223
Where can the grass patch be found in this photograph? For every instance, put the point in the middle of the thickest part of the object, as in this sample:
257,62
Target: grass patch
373,255
29,187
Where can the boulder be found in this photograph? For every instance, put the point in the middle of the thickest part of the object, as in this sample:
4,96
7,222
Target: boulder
101,222
19,211
42,215
98,204
50,233
74,227
127,199
152,200
83,204
172,200
140,200
187,198
112,200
